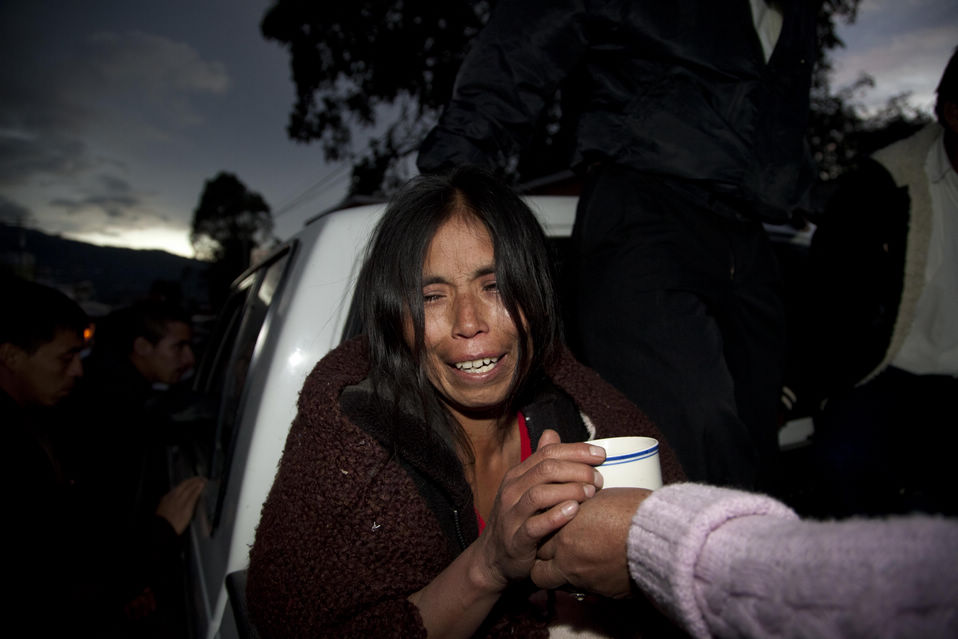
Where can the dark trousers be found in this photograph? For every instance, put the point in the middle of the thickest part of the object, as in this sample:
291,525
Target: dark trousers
885,447
678,304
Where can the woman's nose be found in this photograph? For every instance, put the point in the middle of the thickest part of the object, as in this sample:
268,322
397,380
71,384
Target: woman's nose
469,318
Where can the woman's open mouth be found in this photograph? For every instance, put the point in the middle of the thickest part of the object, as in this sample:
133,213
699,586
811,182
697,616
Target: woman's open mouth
477,366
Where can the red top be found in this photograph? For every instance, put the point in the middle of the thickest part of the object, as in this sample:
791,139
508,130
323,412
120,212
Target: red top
525,450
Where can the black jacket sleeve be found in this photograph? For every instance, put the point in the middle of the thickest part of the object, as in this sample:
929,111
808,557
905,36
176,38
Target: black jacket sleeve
518,61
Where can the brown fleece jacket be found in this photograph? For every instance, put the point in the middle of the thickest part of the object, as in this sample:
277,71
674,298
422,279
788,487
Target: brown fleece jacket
366,510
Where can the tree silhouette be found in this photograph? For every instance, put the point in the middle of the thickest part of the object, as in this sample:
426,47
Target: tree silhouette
372,66
372,76
228,223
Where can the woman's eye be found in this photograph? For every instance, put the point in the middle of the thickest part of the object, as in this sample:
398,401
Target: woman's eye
430,297
492,286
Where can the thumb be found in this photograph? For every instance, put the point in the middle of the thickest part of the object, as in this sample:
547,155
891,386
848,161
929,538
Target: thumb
546,574
547,549
548,438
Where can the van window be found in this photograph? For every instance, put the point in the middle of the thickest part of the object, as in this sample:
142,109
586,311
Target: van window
221,378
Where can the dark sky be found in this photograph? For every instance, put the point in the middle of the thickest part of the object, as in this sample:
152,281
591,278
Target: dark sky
903,44
113,114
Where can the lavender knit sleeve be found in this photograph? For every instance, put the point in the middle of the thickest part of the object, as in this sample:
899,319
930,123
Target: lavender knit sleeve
728,563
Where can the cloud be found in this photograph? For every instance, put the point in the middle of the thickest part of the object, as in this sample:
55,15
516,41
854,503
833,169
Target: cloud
40,126
148,74
902,44
114,184
82,119
114,207
155,64
131,85
909,63
44,152
870,8
13,213
111,196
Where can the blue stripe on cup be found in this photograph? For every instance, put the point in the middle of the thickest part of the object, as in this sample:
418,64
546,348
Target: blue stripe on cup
631,457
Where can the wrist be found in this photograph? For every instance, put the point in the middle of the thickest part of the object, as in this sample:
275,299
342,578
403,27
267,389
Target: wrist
483,573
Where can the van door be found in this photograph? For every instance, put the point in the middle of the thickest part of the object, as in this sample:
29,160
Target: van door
220,392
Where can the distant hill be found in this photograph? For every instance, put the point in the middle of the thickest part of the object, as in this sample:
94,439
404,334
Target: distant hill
101,275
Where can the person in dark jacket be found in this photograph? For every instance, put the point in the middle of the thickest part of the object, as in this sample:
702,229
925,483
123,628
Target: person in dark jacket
691,136
432,454
885,353
119,457
41,339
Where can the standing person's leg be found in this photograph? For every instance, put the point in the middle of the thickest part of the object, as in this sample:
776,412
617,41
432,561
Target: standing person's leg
751,318
649,261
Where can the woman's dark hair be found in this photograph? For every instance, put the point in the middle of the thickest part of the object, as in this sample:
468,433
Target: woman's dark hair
390,285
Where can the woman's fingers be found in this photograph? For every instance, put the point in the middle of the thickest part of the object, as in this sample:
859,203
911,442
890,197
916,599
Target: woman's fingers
538,497
547,574
589,552
513,549
529,488
541,497
555,462
548,437
551,447
556,475
537,527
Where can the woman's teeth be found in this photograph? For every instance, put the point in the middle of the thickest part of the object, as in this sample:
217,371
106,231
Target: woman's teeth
478,365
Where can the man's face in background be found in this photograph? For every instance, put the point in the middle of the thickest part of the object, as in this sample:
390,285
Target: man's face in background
48,374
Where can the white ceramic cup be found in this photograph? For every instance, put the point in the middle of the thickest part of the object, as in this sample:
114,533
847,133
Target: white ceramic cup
630,462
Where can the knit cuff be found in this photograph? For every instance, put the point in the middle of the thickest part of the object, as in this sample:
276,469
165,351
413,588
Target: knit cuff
667,534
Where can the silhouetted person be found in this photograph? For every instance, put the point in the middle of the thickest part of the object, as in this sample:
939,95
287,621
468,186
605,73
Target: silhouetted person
885,260
121,460
691,134
41,337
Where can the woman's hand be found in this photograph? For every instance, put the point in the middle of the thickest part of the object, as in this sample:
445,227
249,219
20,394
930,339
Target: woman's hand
590,553
535,499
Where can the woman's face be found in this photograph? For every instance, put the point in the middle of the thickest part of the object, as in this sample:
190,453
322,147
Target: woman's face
471,341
